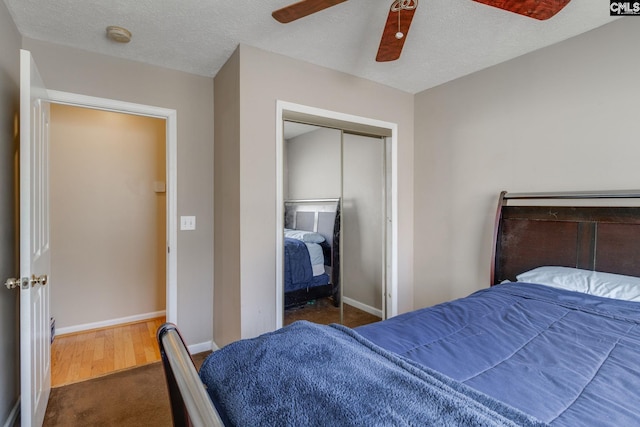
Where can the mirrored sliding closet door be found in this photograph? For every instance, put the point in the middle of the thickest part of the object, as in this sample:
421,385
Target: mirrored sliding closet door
363,237
335,203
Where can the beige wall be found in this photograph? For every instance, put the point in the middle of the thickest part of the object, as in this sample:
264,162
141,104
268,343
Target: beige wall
107,221
561,118
9,316
227,304
265,78
86,73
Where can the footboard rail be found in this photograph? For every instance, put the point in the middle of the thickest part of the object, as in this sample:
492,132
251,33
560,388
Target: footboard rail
190,403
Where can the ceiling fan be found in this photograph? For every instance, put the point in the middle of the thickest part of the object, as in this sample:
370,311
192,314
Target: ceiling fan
401,14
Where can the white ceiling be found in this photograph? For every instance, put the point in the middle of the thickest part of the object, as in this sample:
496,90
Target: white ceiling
447,39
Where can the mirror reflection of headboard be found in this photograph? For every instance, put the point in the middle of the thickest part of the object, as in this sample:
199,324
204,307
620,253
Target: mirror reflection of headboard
587,230
318,215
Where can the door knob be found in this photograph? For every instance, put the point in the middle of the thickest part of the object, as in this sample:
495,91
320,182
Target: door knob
15,282
42,280
24,282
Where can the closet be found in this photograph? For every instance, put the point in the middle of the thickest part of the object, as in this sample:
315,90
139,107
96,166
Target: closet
327,169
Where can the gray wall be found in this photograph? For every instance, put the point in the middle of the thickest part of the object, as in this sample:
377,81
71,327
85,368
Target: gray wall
313,165
561,118
86,73
9,316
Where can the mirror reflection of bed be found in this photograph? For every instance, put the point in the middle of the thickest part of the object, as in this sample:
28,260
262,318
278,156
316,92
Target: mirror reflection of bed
312,271
333,204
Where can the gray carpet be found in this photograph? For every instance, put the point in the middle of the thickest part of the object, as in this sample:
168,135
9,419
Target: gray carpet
134,397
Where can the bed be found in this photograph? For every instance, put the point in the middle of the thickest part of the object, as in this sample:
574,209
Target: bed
311,251
554,340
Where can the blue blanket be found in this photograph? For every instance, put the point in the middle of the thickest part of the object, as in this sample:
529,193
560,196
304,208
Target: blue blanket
312,375
297,265
298,271
569,359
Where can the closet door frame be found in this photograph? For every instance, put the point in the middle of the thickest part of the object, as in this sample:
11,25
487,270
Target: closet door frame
356,124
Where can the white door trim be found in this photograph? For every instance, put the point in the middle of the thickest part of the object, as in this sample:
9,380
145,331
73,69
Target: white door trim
170,116
283,108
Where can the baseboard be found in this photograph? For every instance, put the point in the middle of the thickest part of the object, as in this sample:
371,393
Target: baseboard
363,307
13,415
202,347
110,322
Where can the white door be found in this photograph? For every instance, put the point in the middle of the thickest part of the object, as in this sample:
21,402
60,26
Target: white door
35,332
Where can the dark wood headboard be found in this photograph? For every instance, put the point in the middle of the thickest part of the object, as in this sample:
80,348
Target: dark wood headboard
591,237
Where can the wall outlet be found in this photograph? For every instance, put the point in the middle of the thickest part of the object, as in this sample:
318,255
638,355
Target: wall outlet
187,223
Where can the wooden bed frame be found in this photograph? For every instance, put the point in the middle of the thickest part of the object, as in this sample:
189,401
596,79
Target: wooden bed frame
190,403
588,236
603,238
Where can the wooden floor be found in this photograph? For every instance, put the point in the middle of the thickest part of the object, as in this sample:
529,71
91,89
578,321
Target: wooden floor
90,354
323,311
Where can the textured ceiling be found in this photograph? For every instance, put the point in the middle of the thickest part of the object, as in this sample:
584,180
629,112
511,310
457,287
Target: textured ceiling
448,38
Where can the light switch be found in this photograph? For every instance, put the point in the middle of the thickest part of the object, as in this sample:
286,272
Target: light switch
187,223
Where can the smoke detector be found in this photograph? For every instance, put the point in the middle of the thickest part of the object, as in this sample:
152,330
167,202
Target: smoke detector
118,34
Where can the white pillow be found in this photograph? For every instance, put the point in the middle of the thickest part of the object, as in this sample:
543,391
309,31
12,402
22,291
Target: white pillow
305,236
607,285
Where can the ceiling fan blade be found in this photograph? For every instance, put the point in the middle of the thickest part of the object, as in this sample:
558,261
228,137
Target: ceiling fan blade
390,45
538,9
302,8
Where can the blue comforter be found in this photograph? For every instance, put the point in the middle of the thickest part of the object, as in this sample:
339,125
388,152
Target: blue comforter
297,264
298,272
312,375
569,359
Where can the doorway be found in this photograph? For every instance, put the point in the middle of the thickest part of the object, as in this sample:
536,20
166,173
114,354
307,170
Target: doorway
117,205
108,217
171,151
368,276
